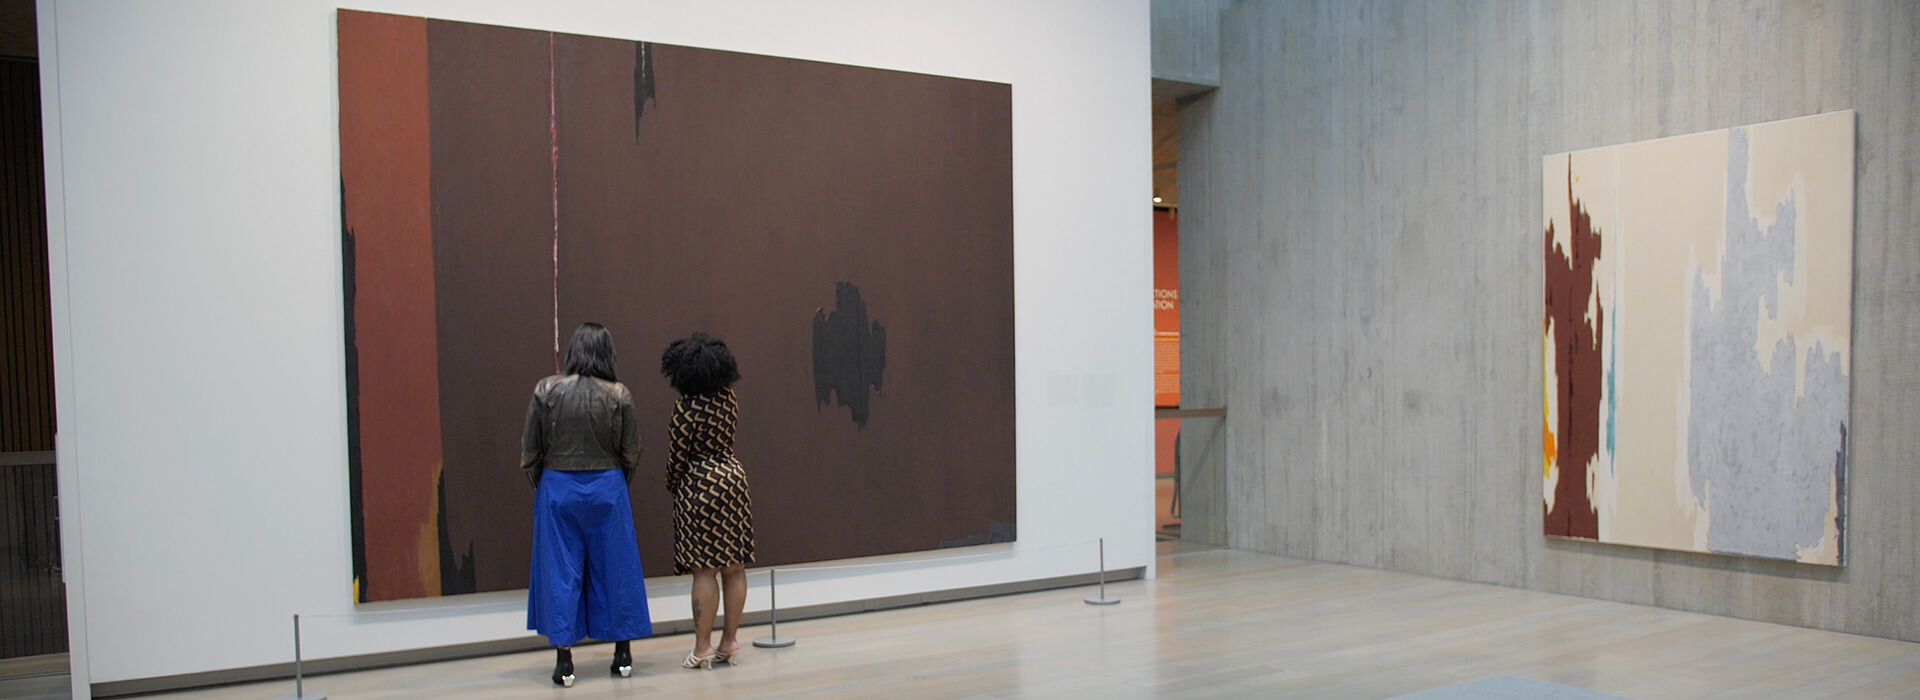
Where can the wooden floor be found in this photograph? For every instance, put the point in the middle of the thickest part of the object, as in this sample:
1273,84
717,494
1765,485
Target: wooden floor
1216,623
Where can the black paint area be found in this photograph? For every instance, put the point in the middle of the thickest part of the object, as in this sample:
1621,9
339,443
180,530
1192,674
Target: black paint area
642,81
456,575
997,532
849,353
1840,496
355,505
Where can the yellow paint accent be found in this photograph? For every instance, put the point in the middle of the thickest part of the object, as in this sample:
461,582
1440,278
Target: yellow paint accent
1551,450
1546,419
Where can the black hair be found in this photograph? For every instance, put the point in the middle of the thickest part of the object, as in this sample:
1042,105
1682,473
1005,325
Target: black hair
591,352
699,364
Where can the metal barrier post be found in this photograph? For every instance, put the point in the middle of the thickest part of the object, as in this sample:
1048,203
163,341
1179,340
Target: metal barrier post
773,640
1103,598
299,689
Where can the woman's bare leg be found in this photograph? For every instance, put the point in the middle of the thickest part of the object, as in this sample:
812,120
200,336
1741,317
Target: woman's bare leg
706,602
735,579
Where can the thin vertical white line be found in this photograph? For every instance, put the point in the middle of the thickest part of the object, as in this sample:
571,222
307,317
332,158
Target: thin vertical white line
553,136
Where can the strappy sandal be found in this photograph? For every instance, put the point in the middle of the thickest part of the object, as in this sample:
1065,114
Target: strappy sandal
697,661
725,657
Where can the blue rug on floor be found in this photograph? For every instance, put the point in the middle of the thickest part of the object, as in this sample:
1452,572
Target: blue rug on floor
1508,688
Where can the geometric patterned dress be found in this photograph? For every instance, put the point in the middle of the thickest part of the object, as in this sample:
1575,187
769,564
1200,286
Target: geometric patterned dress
712,511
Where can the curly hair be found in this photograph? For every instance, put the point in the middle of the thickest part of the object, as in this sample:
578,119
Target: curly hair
699,364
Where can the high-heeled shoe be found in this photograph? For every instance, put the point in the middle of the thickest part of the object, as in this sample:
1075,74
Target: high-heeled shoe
563,668
697,661
726,657
622,660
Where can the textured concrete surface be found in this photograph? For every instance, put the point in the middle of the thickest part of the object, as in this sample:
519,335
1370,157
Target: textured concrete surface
1361,278
1186,40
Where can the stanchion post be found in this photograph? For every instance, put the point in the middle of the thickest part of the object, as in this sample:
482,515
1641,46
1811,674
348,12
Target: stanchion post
299,689
773,640
1103,598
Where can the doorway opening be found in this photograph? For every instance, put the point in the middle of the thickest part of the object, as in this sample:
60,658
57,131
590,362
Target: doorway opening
1166,322
1190,504
1166,373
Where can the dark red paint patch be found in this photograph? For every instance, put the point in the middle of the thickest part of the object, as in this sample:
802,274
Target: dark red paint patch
1577,368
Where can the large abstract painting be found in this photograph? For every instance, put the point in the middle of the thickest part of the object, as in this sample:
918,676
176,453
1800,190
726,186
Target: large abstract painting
1697,340
848,231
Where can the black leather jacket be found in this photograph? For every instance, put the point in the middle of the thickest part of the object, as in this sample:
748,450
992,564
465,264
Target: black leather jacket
577,423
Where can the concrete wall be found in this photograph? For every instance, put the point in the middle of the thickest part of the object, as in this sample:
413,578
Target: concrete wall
1362,280
1186,47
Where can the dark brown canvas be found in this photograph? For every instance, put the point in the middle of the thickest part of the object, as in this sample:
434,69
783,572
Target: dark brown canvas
848,231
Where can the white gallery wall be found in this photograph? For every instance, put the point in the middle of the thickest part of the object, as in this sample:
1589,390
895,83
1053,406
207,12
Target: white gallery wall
193,177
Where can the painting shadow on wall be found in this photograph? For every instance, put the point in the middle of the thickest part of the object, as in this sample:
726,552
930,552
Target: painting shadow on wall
1703,561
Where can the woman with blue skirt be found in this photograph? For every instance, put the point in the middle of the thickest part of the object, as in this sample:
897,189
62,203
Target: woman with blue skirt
580,450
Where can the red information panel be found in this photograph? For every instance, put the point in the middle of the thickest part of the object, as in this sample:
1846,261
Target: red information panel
1166,309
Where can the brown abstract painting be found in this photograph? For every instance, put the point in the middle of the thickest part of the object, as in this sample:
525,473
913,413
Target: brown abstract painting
848,231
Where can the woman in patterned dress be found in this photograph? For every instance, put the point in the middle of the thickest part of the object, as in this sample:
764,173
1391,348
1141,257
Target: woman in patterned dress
712,511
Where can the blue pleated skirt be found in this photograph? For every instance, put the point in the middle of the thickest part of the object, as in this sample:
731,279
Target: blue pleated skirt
586,579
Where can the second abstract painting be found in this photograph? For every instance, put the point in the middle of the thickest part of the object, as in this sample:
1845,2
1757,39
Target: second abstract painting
1697,340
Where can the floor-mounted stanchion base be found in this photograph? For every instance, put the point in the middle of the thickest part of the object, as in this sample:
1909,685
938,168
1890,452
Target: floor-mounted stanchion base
1102,600
773,642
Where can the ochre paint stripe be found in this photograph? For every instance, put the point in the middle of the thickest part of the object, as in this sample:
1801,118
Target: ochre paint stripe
385,163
